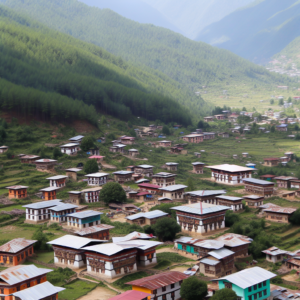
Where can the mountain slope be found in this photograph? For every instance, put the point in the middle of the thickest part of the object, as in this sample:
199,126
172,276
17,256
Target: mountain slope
36,61
190,63
135,10
263,29
191,16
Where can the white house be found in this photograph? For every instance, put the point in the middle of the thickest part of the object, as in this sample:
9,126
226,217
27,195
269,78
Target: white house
76,139
97,179
58,181
70,149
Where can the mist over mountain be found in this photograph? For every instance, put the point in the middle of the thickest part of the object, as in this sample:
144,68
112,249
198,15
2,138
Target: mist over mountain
258,31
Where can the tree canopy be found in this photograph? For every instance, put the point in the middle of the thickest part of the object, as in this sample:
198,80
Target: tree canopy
193,288
112,192
91,166
166,229
224,294
87,143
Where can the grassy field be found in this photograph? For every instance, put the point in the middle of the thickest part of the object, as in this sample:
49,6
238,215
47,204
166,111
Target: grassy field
120,283
44,256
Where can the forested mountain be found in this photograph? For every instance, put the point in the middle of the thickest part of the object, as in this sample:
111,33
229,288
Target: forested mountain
135,10
188,62
191,16
292,51
53,75
258,31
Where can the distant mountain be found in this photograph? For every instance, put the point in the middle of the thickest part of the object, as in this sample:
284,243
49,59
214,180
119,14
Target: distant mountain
258,31
191,16
135,10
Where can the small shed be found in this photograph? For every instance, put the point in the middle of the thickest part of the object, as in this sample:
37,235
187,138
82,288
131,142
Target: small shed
72,173
133,152
3,149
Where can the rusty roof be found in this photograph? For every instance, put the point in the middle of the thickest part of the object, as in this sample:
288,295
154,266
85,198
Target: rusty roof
294,261
16,245
234,240
94,229
29,157
155,282
17,187
281,210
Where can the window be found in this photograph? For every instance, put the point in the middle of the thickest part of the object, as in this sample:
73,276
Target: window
255,296
154,292
255,287
249,289
28,285
264,283
249,297
228,285
163,288
180,282
172,286
265,292
164,297
259,285
2,291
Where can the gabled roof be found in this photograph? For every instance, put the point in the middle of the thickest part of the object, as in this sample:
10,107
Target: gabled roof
229,198
69,145
21,273
29,157
63,206
274,251
57,177
248,277
76,138
282,210
73,241
172,164
144,166
174,187
253,197
230,168
49,189
16,245
123,172
148,215
157,281
73,170
131,295
43,204
45,160
37,292
148,185
206,208
210,262
203,193
94,229
97,175
257,181
132,236
220,253
198,163
17,187
85,214
164,174
234,240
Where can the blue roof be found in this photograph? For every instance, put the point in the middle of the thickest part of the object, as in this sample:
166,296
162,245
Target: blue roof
282,126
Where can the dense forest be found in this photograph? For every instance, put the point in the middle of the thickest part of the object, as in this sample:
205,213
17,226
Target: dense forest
65,69
192,64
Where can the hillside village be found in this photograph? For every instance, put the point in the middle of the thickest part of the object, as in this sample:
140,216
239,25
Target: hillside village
134,211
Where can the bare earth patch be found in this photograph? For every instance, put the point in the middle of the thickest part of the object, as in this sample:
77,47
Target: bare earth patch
99,293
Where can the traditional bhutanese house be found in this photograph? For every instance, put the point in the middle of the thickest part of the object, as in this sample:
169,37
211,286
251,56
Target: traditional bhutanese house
76,139
123,176
171,166
295,183
145,170
164,200
219,117
237,243
224,134
39,212
196,247
91,195
205,196
198,167
49,193
72,173
69,252
43,291
45,164
253,283
146,218
193,138
97,179
163,286
254,201
174,192
144,196
70,149
232,118
127,140
165,143
20,278
59,213
279,214
293,263
267,177
98,157
259,187
209,135
17,191
148,187
125,207
235,203
235,156
217,263
178,150
289,155
200,218
75,197
3,149
100,232
275,254
117,148
16,251
230,174
245,154
208,119
163,179
284,181
58,181
132,236
250,165
197,154
284,159
282,127
117,259
271,161
132,295
84,219
29,159
265,206
133,152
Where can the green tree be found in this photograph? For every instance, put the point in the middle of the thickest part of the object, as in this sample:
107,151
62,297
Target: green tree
280,102
87,144
166,130
272,101
91,166
290,100
224,294
231,218
56,153
41,239
132,132
193,288
112,192
295,218
166,229
190,185
272,128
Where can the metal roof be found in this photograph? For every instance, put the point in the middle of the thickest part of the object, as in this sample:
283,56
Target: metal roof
148,185
221,253
253,197
197,163
108,249
145,166
274,251
43,204
94,229
172,164
157,281
133,150
97,175
49,189
29,156
45,160
73,241
132,236
174,187
192,135
206,208
142,180
143,245
131,295
248,277
282,210
230,198
63,206
210,244
257,181
85,214
76,138
210,262
17,187
234,240
206,193
148,215
93,189
39,291
57,177
73,170
164,174
75,192
164,198
16,245
123,172
165,141
287,178
69,145
21,273
230,168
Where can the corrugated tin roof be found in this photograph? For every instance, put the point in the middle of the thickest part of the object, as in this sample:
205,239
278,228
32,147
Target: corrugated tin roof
206,208
45,160
274,251
63,206
268,205
29,157
123,172
145,166
174,187
172,164
16,245
75,192
43,204
94,229
140,244
164,174
257,181
210,262
73,170
57,177
21,273
69,145
131,295
93,189
248,277
148,215
230,168
282,210
108,249
39,291
17,187
221,253
230,198
234,240
132,236
85,214
49,189
148,185
97,175
197,163
159,280
142,180
206,193
72,241
76,138
210,244
253,197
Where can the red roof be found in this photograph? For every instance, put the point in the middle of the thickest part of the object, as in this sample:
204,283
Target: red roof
271,158
96,156
143,193
131,295
155,282
127,138
148,185
267,176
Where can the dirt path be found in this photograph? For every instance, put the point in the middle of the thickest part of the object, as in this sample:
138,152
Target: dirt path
99,293
107,166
